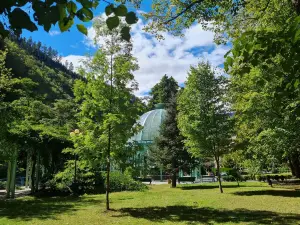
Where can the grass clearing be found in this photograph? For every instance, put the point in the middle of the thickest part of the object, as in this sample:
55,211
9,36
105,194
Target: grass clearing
252,203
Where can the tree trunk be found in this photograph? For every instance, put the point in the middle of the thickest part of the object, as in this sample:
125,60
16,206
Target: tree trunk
8,180
295,165
107,183
108,169
173,174
37,177
219,174
33,173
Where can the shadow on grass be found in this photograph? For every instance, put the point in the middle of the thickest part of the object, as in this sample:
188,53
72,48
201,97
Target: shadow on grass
283,193
208,215
42,208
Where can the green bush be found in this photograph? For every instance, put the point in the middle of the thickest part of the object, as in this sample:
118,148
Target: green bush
246,177
277,177
228,178
64,181
124,182
2,184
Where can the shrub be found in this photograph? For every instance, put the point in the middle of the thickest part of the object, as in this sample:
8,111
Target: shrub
277,177
64,181
245,177
124,182
228,178
2,184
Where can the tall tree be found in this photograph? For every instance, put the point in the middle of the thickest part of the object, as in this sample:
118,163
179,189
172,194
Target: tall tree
108,107
163,91
264,70
168,148
204,116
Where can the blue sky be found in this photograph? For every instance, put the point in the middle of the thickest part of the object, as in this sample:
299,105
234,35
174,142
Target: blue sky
172,56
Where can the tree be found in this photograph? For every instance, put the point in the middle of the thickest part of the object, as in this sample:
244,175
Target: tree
36,111
64,12
264,68
168,148
108,107
229,18
71,66
163,91
204,115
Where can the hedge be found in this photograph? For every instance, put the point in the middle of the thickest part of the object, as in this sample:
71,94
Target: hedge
277,177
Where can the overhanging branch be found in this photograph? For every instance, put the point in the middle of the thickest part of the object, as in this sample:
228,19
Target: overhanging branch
183,11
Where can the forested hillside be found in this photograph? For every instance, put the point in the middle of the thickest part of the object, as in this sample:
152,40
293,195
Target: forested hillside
37,107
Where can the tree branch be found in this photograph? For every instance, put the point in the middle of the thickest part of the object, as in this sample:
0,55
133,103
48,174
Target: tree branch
183,11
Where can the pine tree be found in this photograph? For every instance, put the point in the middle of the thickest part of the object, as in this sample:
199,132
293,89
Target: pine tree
168,148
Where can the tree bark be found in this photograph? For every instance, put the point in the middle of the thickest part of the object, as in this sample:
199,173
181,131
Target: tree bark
174,174
33,173
108,169
219,174
295,165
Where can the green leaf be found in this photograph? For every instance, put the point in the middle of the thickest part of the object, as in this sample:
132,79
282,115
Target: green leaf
53,14
121,10
82,28
3,32
109,9
296,84
95,4
85,15
297,36
112,22
65,24
71,7
86,3
20,20
131,18
125,33
62,11
229,61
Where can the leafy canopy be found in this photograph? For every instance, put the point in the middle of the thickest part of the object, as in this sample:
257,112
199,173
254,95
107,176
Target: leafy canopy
48,13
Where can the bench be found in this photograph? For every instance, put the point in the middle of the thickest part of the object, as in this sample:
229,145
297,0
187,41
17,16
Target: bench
208,179
186,179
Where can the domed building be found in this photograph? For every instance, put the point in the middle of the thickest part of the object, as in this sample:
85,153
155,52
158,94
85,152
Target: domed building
151,122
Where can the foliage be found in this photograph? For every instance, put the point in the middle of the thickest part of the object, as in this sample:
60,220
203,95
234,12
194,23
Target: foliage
277,177
37,110
108,107
265,93
204,115
85,178
123,182
168,151
163,91
62,12
2,185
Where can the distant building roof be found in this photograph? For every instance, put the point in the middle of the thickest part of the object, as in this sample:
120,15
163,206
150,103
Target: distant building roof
151,122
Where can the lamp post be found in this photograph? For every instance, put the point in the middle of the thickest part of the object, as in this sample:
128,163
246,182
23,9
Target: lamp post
75,133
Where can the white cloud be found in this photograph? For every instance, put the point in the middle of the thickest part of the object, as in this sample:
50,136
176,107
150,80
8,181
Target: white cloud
54,32
75,59
172,56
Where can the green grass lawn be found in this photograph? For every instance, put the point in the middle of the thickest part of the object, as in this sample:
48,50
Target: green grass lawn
252,203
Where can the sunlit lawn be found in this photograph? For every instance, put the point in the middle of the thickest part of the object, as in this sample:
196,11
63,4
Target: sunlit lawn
253,203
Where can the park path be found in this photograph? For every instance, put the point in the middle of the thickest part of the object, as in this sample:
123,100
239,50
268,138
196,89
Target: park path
18,193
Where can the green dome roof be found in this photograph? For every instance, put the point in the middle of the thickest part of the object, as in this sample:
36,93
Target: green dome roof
151,122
